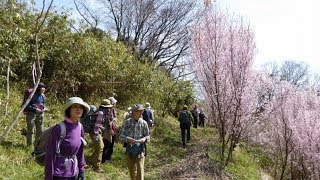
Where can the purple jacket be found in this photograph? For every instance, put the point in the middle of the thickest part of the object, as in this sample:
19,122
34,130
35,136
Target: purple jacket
70,161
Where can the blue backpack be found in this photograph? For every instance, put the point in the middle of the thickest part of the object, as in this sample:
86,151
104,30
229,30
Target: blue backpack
147,115
135,150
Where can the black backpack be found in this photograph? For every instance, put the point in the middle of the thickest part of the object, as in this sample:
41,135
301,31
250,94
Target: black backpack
88,120
184,117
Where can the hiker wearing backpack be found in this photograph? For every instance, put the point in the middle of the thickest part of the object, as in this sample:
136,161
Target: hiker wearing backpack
34,112
65,155
185,119
147,115
110,131
202,116
135,133
98,119
195,114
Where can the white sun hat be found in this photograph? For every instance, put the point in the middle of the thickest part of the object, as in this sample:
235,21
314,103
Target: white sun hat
76,100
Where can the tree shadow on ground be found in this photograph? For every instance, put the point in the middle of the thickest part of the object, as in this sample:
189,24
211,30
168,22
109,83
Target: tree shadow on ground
9,144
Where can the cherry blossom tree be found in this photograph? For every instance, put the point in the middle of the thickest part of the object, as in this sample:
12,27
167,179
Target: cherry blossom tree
290,131
223,48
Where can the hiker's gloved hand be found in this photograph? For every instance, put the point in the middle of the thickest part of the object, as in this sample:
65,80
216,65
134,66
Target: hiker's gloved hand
81,176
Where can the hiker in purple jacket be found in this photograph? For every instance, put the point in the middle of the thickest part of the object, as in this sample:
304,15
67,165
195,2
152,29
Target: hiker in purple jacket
69,163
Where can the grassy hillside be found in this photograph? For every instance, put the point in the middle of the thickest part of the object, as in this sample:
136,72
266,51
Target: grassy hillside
166,158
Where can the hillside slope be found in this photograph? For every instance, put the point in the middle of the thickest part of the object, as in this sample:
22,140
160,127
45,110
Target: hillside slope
166,158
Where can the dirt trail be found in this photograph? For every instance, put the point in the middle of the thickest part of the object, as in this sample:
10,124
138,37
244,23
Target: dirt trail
195,165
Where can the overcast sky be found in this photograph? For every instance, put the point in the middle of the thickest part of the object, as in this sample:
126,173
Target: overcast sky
284,29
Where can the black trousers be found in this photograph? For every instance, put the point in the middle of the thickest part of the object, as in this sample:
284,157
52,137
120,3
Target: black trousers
107,149
185,128
201,122
195,123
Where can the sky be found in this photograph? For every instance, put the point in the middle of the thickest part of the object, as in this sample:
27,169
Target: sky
284,29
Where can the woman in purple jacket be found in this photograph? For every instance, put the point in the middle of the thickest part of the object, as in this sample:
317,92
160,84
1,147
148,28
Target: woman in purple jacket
69,163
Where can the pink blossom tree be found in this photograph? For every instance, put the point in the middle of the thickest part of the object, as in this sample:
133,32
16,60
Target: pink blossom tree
290,132
223,48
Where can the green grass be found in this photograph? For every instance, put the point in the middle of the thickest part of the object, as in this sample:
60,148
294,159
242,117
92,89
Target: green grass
164,150
243,166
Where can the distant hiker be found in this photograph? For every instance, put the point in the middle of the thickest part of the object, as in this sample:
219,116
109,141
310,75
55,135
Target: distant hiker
195,114
135,133
34,112
67,161
127,114
110,130
87,120
147,115
202,116
113,101
96,135
185,119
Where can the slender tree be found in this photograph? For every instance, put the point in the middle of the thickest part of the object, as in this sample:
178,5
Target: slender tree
39,64
222,53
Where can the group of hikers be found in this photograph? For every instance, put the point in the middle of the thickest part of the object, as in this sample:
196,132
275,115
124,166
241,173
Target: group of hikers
187,118
64,154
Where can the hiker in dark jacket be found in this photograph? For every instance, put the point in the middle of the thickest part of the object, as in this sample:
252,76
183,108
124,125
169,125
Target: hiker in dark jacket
202,116
69,163
195,114
185,119
148,115
34,114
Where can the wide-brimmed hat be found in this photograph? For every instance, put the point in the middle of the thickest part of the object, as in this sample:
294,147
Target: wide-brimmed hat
137,107
106,103
76,100
147,105
113,100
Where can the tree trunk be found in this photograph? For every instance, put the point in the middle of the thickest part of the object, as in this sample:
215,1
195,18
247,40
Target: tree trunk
8,89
